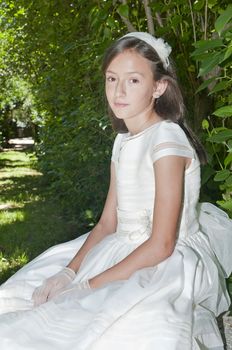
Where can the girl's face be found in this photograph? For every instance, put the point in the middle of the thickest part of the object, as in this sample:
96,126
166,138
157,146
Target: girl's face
130,87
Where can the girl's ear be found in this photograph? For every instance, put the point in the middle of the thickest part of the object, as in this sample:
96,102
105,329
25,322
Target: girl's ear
159,88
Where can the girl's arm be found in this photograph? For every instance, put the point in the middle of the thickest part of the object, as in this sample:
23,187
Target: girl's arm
106,225
53,285
169,183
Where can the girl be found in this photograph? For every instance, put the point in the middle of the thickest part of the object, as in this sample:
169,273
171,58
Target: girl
150,275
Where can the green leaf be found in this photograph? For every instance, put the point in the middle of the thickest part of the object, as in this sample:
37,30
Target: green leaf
221,136
205,124
228,160
229,144
223,19
205,45
229,180
123,10
176,19
223,85
198,5
212,3
223,112
135,12
107,32
211,62
228,53
225,204
110,22
206,174
205,84
222,175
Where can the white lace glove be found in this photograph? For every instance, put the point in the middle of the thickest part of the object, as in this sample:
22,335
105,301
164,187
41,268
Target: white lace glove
84,285
53,286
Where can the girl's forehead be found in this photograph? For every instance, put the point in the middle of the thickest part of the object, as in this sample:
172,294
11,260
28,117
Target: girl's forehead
130,60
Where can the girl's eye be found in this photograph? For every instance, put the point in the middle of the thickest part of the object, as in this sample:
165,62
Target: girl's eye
134,80
110,79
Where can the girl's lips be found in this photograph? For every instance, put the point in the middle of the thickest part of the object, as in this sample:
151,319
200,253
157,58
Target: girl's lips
120,105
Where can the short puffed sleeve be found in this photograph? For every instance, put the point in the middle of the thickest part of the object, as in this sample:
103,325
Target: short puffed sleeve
171,140
116,148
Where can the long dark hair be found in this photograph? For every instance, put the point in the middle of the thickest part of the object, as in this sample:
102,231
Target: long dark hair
170,105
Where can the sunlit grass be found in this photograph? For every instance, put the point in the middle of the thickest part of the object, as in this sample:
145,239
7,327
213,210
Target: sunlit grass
30,221
17,164
8,173
7,217
16,156
9,265
6,182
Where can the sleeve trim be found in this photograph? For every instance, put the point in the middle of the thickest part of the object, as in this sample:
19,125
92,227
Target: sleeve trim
172,148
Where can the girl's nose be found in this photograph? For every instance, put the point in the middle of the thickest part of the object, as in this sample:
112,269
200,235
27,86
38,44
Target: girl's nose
120,88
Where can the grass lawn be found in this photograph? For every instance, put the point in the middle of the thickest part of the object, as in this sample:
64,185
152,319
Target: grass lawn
30,221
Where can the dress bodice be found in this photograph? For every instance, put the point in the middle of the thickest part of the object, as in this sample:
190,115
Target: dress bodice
134,157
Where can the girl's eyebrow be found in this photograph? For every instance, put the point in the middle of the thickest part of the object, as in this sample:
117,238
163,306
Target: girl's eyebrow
110,71
130,72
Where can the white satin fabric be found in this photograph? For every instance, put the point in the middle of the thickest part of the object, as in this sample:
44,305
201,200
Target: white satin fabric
171,306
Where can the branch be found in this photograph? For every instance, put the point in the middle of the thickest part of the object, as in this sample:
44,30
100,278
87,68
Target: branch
129,25
126,20
150,22
159,19
193,22
206,19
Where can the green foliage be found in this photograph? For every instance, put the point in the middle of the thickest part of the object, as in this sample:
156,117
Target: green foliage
61,62
77,167
215,58
17,101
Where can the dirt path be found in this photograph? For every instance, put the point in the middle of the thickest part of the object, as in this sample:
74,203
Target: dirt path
21,143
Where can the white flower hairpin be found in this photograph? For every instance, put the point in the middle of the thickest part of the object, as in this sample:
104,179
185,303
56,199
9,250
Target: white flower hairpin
162,48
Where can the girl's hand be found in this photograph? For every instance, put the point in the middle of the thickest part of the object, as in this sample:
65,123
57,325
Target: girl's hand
53,286
80,286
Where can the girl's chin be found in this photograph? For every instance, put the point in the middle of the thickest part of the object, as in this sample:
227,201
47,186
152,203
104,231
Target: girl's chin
119,117
120,114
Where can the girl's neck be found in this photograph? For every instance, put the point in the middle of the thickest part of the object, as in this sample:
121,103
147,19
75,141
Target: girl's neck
139,126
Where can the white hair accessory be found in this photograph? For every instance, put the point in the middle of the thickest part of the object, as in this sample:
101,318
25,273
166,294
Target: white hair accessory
162,48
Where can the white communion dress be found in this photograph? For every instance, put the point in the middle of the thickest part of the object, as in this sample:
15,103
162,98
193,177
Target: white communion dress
171,306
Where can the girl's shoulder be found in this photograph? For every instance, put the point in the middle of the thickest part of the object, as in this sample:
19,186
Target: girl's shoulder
116,147
168,131
170,139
